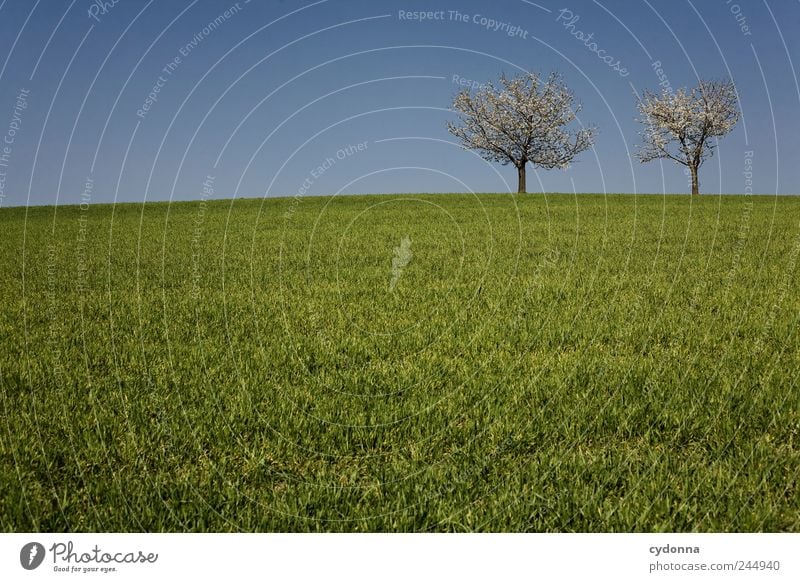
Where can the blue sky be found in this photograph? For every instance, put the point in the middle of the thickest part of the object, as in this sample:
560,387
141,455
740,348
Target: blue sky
273,98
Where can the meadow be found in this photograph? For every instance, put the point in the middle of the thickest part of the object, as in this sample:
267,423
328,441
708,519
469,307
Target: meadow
402,363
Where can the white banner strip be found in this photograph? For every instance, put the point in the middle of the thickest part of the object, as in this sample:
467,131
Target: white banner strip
380,557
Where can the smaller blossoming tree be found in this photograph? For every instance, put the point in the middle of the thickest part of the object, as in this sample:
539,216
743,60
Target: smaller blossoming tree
684,126
521,121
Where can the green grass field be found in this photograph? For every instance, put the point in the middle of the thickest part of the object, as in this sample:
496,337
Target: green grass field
544,363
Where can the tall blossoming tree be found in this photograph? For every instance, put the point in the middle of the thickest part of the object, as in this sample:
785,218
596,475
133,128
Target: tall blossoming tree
684,126
524,120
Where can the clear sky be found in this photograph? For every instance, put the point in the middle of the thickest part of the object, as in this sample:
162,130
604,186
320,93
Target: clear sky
146,100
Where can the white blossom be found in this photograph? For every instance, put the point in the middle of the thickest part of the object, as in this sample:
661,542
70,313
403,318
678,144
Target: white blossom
683,126
522,121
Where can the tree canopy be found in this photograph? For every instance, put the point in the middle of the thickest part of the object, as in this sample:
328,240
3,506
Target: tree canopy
683,126
523,120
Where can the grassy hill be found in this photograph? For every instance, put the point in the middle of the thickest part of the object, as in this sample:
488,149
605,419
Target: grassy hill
404,362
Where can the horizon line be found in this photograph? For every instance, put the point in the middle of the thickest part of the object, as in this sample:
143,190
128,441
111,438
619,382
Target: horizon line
296,197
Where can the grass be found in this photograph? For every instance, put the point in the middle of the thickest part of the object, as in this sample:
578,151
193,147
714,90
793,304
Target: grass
545,363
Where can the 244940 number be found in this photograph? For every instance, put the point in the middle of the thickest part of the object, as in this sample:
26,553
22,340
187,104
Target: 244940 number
761,565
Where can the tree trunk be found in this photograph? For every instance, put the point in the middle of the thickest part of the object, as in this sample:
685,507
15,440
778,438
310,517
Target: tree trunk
695,184
521,186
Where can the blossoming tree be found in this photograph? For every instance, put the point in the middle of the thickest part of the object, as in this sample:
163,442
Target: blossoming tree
521,121
684,126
